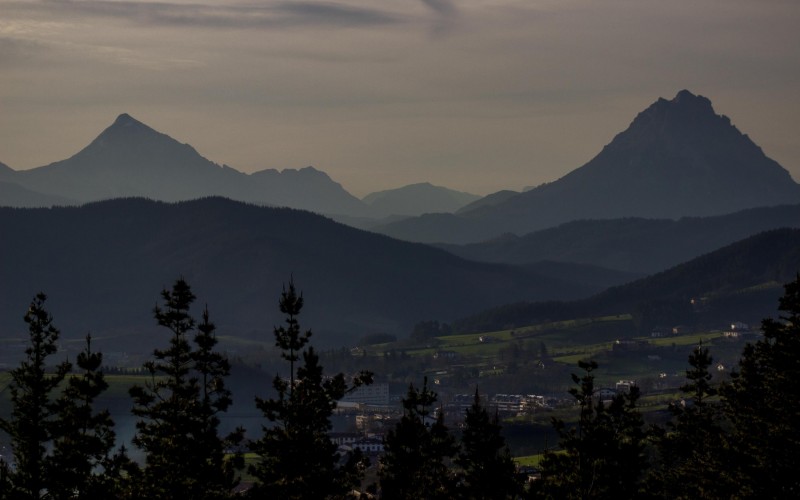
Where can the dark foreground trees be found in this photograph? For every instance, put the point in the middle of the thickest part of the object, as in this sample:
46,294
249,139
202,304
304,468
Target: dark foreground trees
31,426
418,451
740,440
761,405
487,469
178,410
297,458
603,455
692,448
83,463
63,447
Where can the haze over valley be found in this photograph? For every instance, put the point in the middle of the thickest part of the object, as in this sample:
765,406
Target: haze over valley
681,181
399,250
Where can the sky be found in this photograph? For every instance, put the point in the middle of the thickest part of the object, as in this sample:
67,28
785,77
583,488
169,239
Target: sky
475,95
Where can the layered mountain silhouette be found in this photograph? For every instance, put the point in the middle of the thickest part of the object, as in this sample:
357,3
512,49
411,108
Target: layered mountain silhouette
14,195
103,265
677,158
631,244
739,282
131,159
417,199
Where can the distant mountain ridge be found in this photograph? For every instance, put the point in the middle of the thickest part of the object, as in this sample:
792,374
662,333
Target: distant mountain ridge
14,195
418,199
131,159
103,265
741,281
677,158
630,244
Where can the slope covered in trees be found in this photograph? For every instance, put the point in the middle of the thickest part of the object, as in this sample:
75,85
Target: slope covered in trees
631,244
736,440
103,261
742,279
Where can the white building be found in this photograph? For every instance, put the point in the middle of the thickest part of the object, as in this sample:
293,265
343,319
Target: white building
372,395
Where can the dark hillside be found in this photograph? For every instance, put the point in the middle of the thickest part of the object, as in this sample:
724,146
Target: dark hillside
631,244
104,264
740,281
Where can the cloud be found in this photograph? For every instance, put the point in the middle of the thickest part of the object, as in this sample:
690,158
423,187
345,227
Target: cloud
445,15
274,14
443,7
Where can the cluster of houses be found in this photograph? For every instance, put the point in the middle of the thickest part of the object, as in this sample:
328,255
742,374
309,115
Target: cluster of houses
369,444
503,404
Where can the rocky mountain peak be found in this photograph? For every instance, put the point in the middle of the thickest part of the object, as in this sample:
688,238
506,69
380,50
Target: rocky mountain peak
687,99
127,121
677,158
126,125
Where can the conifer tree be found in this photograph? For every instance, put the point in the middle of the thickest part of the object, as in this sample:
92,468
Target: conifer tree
212,368
417,451
692,446
761,405
603,456
31,424
488,469
82,464
297,458
177,407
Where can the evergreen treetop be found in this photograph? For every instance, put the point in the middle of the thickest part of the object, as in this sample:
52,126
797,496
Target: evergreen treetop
297,459
33,414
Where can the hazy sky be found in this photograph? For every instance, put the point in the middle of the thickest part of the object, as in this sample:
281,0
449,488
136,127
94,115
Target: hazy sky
477,95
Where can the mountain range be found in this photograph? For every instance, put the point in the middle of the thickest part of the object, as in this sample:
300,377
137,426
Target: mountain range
677,158
631,244
738,282
418,199
103,265
681,181
130,159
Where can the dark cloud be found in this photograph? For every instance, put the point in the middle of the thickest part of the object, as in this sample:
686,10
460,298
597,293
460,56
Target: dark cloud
238,15
333,14
442,7
445,15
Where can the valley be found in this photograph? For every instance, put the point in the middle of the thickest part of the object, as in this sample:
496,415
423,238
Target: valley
626,268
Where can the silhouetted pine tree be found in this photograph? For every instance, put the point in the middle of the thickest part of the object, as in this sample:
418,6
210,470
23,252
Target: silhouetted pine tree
82,464
761,403
488,471
220,466
603,456
31,424
177,426
417,452
692,448
297,458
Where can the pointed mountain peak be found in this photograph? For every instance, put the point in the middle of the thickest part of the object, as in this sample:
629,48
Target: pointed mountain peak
686,99
127,128
127,122
686,115
129,140
685,95
125,119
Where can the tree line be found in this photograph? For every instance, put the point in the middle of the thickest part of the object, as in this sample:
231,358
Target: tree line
740,439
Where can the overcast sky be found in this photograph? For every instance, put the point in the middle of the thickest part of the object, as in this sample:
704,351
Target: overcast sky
477,95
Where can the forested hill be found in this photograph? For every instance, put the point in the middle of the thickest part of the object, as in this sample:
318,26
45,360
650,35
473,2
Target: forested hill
631,244
104,264
738,282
